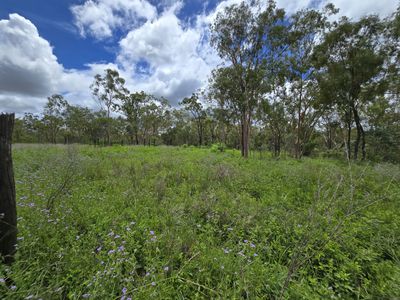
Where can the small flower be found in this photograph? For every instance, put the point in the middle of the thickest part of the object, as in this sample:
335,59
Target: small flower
133,223
245,241
151,232
86,296
13,287
121,248
166,269
252,245
2,280
226,251
21,238
230,229
124,290
255,254
111,252
147,274
117,236
153,283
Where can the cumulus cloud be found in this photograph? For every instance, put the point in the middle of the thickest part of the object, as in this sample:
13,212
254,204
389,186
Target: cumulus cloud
30,72
27,63
100,17
176,61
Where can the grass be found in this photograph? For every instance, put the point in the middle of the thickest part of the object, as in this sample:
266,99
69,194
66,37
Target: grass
188,223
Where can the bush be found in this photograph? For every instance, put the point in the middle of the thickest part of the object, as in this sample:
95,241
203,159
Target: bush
219,147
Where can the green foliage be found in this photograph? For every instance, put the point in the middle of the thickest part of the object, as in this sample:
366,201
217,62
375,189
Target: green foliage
220,147
171,223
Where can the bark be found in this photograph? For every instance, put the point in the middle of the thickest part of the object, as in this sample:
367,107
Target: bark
360,135
8,211
245,136
348,146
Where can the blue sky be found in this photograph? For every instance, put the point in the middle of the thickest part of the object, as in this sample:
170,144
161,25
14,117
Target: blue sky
160,46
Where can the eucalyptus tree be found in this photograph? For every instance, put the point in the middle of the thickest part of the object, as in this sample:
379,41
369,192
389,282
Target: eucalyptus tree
54,116
153,115
194,106
77,122
306,28
131,107
108,89
248,36
351,61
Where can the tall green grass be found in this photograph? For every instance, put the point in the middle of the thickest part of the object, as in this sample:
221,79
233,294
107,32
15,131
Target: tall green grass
187,223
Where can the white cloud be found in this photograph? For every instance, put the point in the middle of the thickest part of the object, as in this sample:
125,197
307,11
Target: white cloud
100,17
358,8
30,72
177,60
27,63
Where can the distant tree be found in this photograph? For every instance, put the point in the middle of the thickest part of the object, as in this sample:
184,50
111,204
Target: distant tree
194,106
77,122
108,89
54,116
131,108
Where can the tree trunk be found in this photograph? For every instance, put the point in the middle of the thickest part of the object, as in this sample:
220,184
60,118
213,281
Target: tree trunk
348,146
8,210
360,135
245,136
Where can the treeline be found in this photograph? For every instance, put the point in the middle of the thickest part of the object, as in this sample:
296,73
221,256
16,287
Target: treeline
300,83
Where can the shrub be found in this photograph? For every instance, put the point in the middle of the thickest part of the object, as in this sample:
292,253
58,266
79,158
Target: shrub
219,147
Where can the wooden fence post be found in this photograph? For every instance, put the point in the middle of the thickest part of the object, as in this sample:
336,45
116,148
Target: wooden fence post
8,210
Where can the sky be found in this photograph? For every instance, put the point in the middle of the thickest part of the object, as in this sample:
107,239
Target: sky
160,47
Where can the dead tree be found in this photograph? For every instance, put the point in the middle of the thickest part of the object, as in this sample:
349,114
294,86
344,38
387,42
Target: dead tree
8,210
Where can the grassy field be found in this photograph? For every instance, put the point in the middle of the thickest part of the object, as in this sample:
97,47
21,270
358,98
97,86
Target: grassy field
188,223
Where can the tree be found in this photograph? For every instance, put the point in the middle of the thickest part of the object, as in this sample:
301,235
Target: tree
131,108
351,61
54,116
77,123
249,39
305,29
192,105
108,89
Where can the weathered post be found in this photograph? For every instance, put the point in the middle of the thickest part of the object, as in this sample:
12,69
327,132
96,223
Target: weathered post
8,210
